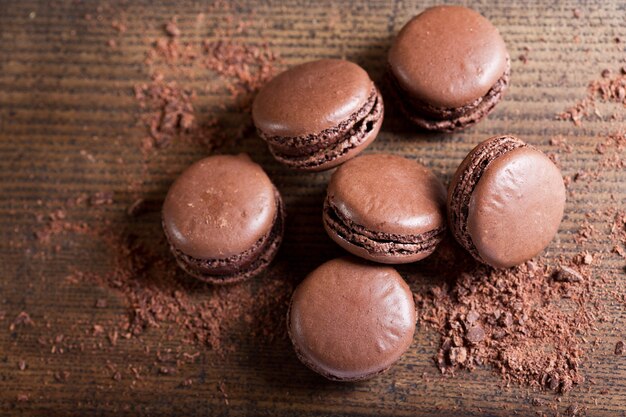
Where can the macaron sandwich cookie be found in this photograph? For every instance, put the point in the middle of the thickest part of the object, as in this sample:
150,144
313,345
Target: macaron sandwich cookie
385,208
448,67
318,114
223,219
350,321
505,202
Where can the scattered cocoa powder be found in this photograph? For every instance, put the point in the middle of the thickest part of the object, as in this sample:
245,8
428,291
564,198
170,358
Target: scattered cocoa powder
169,111
168,106
605,90
158,294
518,321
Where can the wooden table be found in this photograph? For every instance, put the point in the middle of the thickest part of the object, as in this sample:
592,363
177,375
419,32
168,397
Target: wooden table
69,127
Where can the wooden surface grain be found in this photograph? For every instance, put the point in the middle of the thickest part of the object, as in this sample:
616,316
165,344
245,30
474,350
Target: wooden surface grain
69,125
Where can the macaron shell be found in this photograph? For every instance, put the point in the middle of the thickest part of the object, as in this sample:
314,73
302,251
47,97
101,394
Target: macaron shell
219,207
311,97
389,194
350,320
448,56
516,207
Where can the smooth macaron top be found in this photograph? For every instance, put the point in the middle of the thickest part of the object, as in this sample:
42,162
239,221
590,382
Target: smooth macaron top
350,320
219,207
388,194
311,97
516,207
448,56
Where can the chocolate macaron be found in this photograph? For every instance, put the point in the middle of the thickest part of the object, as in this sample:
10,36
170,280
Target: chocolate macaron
350,321
223,219
505,201
448,67
385,208
319,114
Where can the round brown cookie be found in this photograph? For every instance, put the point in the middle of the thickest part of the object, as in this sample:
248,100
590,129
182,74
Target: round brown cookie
505,201
385,208
223,219
350,321
448,68
319,114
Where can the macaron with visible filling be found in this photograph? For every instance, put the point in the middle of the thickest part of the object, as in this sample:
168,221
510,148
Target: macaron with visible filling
385,208
350,321
318,114
223,219
505,202
448,67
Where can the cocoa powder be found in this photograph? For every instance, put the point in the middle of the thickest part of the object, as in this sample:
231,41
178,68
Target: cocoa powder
607,89
168,110
519,321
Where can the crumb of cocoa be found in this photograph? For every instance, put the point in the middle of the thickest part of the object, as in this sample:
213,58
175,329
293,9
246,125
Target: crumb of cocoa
619,348
606,73
61,376
113,336
562,143
21,365
567,274
572,411
222,389
458,355
577,13
171,28
101,198
101,303
22,320
164,370
136,208
112,43
119,26
97,329
475,334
